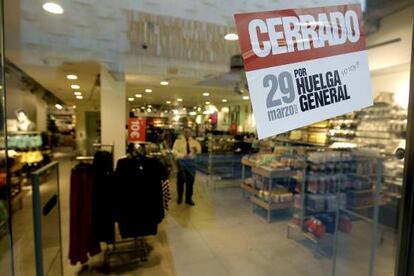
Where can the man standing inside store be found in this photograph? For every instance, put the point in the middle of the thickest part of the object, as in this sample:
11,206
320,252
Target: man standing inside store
186,148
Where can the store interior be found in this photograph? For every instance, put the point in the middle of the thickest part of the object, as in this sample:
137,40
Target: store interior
320,200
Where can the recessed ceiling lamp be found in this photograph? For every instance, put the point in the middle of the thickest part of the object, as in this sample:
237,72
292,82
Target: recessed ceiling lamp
79,97
149,110
179,100
224,100
231,36
246,98
192,113
58,106
164,82
206,94
74,107
77,93
75,86
138,95
131,99
53,8
148,90
207,103
71,77
168,102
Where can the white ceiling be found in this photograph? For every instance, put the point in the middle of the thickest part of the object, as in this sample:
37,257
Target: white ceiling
184,40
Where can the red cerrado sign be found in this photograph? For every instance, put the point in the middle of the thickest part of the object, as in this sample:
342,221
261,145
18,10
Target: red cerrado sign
304,65
136,129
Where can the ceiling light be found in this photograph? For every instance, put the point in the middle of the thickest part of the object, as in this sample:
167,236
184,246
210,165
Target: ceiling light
79,97
77,93
193,113
224,100
179,100
246,97
175,111
150,90
138,95
207,103
148,105
164,82
75,86
58,106
74,107
53,8
168,102
71,77
206,94
149,110
130,99
231,36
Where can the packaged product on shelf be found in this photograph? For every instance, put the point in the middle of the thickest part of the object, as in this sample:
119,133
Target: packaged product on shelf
297,201
328,221
315,202
315,227
296,219
249,181
345,224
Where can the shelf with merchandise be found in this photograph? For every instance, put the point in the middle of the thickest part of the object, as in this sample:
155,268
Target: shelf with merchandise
335,180
273,189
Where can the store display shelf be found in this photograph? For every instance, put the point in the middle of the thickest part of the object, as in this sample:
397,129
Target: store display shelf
319,211
396,183
23,132
247,162
360,191
271,206
373,137
248,188
365,176
394,195
308,235
300,143
273,173
361,207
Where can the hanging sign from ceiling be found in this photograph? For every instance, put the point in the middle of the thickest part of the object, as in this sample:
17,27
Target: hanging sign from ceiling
304,65
136,129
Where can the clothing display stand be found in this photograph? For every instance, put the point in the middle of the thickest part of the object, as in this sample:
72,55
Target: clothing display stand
116,249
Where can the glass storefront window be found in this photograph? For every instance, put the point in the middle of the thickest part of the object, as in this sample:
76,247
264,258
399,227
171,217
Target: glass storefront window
124,94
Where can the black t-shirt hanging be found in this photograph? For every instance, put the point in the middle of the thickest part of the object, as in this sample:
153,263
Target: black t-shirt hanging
139,197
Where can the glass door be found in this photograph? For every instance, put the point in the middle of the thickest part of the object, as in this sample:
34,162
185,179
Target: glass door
6,256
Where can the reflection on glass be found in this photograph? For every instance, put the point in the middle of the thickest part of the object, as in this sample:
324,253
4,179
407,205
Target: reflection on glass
47,220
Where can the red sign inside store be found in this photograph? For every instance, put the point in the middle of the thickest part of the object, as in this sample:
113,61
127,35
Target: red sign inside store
136,129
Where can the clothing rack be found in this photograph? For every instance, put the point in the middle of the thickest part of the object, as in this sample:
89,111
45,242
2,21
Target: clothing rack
127,250
140,246
84,158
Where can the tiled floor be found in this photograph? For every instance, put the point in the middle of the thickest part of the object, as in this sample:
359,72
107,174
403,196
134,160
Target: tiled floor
222,236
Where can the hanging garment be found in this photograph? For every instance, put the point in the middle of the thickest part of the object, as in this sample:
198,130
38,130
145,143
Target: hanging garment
103,224
166,193
82,242
139,196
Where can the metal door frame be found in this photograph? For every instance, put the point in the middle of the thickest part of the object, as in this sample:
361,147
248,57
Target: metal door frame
405,255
